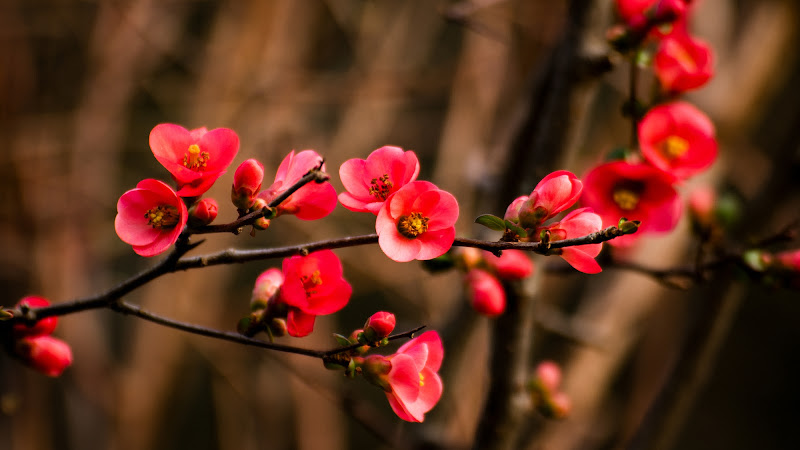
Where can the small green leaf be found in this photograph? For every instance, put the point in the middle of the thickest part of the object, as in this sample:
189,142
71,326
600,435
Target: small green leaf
491,222
515,228
342,340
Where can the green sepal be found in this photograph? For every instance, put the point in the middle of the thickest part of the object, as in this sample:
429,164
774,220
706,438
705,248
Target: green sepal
516,229
342,340
491,222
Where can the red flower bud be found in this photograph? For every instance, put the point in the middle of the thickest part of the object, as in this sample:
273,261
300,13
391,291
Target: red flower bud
203,212
246,183
379,326
46,354
40,328
486,293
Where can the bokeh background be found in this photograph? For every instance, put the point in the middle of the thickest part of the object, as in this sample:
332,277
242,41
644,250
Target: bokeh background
491,96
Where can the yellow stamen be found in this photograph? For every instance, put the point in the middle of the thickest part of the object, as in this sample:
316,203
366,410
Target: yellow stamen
626,199
421,379
195,159
162,216
674,147
412,225
310,282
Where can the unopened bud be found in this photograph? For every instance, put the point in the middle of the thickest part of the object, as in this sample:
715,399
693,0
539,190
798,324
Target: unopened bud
40,328
46,354
203,212
485,292
548,375
278,327
510,265
261,223
246,184
266,287
379,326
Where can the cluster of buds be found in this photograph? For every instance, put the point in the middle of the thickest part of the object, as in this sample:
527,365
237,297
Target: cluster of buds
34,345
545,391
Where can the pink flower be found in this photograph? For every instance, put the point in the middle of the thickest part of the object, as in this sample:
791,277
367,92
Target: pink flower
577,223
266,286
203,212
246,183
40,328
371,181
379,325
635,191
46,354
485,293
310,202
150,217
415,386
511,265
554,194
643,14
417,222
678,139
682,62
313,285
195,158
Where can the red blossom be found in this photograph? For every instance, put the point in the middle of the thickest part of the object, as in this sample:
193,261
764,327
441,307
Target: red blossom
577,223
310,202
485,292
682,62
150,217
313,285
41,327
635,191
369,182
553,194
510,265
417,222
195,158
641,15
678,138
414,384
46,354
203,212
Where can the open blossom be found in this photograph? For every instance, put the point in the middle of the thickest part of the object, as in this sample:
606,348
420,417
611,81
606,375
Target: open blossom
369,182
45,354
195,158
417,222
683,62
414,383
553,194
40,328
310,202
678,138
313,285
577,223
485,293
635,191
150,217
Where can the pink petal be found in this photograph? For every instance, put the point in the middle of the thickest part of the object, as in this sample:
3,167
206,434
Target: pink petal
169,142
396,246
299,324
222,144
580,260
435,243
404,378
430,392
399,409
433,342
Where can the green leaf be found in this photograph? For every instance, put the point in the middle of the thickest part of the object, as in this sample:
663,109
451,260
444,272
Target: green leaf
515,228
491,222
341,340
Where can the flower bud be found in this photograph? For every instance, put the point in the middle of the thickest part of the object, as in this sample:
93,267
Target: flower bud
379,326
46,354
266,287
485,292
512,212
355,340
548,376
246,184
203,212
278,327
511,265
472,257
701,205
40,328
261,224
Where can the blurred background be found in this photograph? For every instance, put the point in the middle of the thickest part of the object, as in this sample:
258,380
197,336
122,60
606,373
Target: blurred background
492,95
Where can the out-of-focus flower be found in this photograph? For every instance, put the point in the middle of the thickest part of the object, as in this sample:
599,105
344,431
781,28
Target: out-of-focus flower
267,285
310,202
485,292
678,139
635,191
195,158
369,182
41,327
45,354
150,217
417,222
683,62
510,265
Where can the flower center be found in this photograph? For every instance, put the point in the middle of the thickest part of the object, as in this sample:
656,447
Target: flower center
195,159
381,187
310,282
674,147
626,199
421,379
412,225
162,216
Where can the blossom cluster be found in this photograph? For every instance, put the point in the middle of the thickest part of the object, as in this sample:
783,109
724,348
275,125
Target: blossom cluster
34,345
676,140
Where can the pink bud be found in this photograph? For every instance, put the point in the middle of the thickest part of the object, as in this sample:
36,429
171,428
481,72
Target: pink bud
511,265
560,405
266,286
379,326
46,354
486,293
203,212
246,183
548,375
40,328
